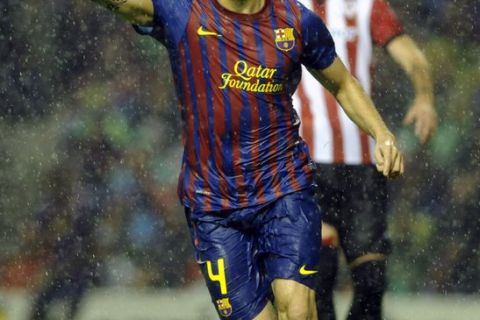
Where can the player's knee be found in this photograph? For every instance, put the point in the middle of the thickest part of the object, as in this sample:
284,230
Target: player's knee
296,309
330,236
293,300
327,270
290,311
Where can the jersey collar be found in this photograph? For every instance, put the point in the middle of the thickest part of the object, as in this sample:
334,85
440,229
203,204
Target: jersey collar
242,16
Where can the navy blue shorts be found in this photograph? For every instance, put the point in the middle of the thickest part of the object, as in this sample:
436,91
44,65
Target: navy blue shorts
242,251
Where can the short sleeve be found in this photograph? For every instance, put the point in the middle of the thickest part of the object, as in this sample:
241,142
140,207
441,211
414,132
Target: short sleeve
384,23
318,46
169,20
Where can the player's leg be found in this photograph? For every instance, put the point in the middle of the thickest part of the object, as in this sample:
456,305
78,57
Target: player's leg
40,307
78,289
227,257
369,286
288,235
51,291
327,273
365,243
268,313
294,300
329,196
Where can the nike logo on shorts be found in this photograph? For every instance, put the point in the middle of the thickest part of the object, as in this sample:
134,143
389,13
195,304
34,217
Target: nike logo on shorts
304,272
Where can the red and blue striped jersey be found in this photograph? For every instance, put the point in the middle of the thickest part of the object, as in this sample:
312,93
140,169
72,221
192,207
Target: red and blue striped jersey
234,76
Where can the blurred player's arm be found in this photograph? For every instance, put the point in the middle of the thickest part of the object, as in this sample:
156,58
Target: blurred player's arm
139,12
406,53
360,108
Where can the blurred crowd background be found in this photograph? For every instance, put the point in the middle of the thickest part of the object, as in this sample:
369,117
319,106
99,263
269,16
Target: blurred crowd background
90,146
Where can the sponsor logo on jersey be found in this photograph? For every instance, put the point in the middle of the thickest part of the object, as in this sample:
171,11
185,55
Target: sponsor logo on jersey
224,307
284,39
304,272
251,78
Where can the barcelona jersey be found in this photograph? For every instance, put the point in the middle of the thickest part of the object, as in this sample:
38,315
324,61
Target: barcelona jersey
234,76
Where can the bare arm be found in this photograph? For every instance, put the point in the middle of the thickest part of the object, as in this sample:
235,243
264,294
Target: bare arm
360,108
405,52
135,11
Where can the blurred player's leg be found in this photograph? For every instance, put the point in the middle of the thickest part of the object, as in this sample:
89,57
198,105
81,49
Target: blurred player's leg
364,241
327,273
45,297
330,198
78,289
369,286
326,283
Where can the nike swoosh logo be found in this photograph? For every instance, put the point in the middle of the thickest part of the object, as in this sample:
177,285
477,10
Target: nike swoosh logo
304,272
202,32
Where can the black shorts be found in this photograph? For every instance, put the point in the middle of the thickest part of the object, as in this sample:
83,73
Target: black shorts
353,199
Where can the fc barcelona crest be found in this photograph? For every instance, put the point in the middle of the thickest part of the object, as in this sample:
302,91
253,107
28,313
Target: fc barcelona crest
284,39
224,307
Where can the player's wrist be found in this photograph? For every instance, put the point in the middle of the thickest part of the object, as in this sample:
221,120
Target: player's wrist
383,134
424,99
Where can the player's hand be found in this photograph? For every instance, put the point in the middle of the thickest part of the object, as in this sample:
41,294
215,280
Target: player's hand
425,118
388,156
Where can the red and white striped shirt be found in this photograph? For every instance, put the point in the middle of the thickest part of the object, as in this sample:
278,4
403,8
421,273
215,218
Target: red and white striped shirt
356,25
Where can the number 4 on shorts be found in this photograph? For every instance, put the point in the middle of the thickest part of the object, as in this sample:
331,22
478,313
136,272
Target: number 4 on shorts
220,276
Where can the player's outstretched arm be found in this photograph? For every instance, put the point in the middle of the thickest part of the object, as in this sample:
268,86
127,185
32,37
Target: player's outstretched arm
422,112
360,108
139,12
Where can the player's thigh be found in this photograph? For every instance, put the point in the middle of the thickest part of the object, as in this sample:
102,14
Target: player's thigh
364,227
230,267
329,194
289,238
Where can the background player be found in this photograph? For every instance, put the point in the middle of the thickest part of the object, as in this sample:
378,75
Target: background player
246,174
354,216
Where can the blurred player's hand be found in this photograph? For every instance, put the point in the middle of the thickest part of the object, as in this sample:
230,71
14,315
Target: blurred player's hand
388,156
425,118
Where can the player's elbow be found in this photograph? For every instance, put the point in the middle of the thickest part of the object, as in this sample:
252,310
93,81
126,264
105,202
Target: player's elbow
415,60
143,19
347,86
422,62
418,65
